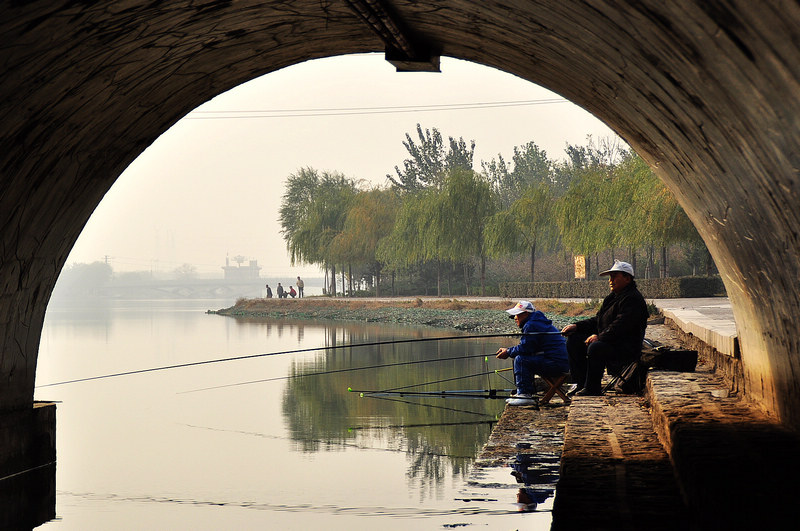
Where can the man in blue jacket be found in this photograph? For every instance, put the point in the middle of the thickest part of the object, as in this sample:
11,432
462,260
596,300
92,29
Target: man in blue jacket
612,338
541,350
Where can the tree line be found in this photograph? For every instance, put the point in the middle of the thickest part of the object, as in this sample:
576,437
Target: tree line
438,215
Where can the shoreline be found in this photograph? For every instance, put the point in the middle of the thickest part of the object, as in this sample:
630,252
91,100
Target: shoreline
473,315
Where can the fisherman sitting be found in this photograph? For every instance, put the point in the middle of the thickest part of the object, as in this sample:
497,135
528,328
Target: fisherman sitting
541,350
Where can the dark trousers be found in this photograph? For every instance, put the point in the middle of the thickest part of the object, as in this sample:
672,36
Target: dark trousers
588,363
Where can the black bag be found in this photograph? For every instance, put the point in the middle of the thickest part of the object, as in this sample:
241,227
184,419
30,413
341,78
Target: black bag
669,359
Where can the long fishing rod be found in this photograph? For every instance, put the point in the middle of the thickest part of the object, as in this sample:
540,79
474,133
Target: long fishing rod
461,393
296,351
333,371
436,381
432,406
488,393
427,425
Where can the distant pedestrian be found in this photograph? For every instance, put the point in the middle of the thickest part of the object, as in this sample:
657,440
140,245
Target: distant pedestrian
281,292
300,286
269,292
292,292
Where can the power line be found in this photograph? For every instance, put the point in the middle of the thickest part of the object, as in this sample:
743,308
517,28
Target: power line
359,111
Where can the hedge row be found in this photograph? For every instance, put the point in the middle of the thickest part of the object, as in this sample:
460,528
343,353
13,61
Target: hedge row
652,288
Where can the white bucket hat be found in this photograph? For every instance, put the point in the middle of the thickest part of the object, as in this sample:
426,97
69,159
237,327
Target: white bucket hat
622,267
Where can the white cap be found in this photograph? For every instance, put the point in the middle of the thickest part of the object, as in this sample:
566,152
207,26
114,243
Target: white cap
521,306
622,267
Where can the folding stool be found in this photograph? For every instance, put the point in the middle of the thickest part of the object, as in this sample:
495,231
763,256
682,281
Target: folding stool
555,383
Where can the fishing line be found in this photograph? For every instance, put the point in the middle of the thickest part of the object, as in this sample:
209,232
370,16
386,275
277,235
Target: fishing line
332,371
498,371
427,405
482,394
435,382
431,425
296,351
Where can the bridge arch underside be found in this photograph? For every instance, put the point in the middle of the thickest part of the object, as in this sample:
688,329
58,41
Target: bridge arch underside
706,92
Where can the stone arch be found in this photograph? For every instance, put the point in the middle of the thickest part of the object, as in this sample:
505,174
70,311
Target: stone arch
706,92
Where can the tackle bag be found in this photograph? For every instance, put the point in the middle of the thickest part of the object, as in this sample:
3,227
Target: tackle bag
670,359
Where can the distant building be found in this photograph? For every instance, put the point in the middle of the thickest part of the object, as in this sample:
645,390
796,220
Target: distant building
239,272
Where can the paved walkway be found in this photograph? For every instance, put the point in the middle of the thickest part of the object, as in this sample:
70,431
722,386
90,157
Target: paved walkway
708,319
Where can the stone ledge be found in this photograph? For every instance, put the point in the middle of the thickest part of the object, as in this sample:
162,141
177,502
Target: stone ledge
736,467
718,334
615,473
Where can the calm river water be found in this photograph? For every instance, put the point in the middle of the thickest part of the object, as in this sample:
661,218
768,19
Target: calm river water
259,443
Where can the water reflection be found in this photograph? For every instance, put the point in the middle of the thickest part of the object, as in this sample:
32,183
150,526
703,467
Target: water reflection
144,449
440,436
539,475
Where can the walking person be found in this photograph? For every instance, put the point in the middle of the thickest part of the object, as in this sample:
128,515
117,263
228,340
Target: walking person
541,350
269,292
300,286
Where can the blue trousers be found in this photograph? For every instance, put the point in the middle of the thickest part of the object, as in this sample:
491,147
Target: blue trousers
526,367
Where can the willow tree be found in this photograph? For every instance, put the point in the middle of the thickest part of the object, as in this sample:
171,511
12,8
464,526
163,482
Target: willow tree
370,220
312,212
296,207
413,239
465,204
528,225
654,217
430,160
585,213
529,166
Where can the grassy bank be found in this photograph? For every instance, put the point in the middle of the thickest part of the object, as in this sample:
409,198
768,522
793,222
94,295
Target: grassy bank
470,315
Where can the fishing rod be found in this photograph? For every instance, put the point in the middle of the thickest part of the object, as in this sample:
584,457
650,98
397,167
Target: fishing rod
334,371
427,425
436,381
462,393
432,406
403,391
283,352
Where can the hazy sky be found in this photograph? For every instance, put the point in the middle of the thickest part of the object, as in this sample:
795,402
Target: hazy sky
211,185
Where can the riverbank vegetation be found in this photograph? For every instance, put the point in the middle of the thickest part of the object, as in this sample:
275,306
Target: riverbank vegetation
441,227
485,316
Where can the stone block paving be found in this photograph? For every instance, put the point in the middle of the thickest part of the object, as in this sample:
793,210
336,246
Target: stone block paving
615,474
737,467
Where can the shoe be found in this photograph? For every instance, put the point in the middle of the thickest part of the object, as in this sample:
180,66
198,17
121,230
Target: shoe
521,395
574,388
588,392
522,400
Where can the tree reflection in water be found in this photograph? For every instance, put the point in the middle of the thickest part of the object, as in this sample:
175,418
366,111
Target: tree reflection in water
441,437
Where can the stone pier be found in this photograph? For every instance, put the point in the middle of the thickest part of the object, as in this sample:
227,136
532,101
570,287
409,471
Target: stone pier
28,466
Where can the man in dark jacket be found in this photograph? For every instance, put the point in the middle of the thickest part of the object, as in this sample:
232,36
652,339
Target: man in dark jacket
612,338
541,351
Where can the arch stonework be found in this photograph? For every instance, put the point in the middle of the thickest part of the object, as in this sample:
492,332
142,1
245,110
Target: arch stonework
707,92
